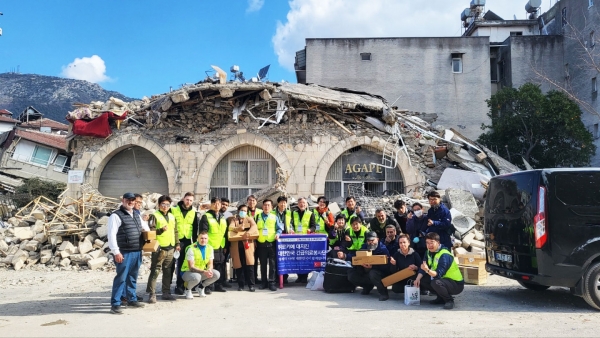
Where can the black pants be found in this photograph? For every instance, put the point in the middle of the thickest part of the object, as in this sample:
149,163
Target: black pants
399,286
220,264
183,244
256,259
367,279
266,254
245,274
444,288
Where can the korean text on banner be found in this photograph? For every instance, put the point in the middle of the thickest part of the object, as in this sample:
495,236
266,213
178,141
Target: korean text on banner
301,253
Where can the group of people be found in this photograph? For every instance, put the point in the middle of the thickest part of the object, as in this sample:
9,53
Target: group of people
196,247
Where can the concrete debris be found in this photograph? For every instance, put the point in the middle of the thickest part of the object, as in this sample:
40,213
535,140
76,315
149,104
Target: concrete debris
462,223
462,201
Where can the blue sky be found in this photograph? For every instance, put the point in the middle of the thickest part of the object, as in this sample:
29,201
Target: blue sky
141,48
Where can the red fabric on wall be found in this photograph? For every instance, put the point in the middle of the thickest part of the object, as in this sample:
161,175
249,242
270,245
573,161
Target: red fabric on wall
98,127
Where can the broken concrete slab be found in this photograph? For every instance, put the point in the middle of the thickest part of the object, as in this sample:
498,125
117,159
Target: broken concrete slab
31,246
66,246
64,254
41,238
102,231
97,263
467,240
462,201
23,233
98,243
102,220
477,244
19,262
45,256
460,251
95,254
464,180
85,246
39,215
65,262
38,227
462,223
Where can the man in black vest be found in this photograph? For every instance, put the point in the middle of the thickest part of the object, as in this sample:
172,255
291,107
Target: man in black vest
125,242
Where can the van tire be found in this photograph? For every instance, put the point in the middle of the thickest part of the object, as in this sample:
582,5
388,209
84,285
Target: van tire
534,287
591,286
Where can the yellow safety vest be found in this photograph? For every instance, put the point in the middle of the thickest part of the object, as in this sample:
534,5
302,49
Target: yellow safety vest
321,228
167,237
184,224
270,225
288,218
348,217
453,272
199,261
216,231
301,226
358,238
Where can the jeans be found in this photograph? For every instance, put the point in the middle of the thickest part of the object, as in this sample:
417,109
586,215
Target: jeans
161,260
444,288
359,276
194,278
125,281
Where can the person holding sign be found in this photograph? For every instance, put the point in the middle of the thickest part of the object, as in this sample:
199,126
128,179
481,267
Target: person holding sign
198,267
303,222
167,236
404,257
242,252
266,222
323,217
368,276
441,272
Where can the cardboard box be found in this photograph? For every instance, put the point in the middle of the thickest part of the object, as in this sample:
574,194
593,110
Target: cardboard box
471,260
373,260
363,253
149,235
398,276
237,236
474,275
151,246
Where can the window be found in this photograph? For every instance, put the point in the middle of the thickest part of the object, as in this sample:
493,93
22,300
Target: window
41,155
365,56
592,40
594,86
591,3
596,131
564,16
457,65
516,33
60,163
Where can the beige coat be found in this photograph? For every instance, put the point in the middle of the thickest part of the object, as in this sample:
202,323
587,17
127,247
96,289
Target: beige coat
237,225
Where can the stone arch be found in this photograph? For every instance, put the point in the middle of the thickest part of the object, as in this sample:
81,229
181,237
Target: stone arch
413,179
220,150
95,166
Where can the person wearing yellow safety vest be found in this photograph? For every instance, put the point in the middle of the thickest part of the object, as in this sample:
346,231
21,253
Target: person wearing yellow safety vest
439,273
336,236
253,211
266,223
164,223
350,211
323,216
187,221
198,267
284,224
354,238
216,226
303,222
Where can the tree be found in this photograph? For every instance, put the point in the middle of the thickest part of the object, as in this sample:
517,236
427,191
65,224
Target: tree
545,130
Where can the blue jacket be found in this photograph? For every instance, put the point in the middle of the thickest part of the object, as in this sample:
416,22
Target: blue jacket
416,225
380,250
442,224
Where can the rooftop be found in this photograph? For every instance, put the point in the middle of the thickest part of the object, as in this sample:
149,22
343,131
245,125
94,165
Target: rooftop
45,122
51,140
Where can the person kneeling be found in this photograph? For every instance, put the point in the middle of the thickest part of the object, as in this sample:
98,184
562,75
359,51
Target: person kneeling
443,275
404,257
368,276
198,267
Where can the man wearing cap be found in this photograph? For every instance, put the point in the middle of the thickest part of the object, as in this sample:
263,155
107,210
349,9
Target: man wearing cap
368,276
125,242
187,221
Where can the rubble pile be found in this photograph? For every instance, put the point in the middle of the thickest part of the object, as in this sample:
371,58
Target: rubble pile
71,234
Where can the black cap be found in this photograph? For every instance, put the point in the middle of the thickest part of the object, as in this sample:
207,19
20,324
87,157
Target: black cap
370,235
129,196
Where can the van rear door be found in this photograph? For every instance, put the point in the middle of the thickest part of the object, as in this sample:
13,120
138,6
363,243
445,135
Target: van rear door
511,205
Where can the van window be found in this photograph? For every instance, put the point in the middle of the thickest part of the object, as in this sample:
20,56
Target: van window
509,195
578,189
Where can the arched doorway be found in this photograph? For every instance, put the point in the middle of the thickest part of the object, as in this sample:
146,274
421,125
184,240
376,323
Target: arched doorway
354,168
133,169
243,171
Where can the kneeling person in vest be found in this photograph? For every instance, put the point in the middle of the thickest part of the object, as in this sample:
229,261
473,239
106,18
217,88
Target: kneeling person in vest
439,273
216,227
303,222
266,223
165,225
354,238
198,267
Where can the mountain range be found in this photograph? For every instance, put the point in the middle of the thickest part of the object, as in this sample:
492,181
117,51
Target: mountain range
50,95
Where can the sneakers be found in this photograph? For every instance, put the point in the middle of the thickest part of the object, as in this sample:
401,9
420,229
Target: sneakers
262,286
272,287
383,297
438,300
135,304
366,291
168,296
251,288
116,310
449,305
179,290
188,294
202,292
207,290
152,298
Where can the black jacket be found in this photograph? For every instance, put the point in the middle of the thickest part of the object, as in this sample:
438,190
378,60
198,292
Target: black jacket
204,225
195,223
401,220
403,262
379,228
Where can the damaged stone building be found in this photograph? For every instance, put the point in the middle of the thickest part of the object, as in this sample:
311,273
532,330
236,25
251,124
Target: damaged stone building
229,140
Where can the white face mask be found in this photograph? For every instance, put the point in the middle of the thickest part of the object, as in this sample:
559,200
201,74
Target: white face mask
418,213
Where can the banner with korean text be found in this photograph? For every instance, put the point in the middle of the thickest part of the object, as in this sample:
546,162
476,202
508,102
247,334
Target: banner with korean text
301,253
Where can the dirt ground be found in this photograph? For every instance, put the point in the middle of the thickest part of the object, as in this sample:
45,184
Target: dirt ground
77,303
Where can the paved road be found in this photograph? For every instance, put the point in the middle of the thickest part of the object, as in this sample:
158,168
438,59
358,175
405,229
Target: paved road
69,303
